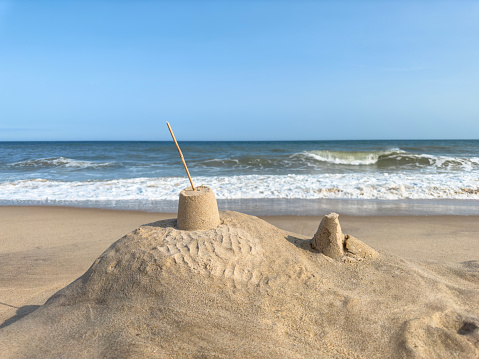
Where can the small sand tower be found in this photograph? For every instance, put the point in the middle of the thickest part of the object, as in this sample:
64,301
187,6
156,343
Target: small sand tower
330,240
197,207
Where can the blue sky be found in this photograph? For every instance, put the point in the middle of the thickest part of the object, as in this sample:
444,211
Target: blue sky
239,70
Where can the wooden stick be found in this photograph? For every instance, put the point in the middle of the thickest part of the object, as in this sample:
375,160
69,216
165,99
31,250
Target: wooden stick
181,155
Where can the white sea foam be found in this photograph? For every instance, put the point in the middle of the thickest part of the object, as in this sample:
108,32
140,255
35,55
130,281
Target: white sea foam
355,158
59,162
334,186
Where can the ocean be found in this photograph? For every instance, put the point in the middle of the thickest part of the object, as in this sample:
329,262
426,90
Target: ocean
277,177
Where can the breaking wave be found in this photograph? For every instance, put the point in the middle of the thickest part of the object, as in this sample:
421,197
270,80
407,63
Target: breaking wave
60,162
349,158
392,158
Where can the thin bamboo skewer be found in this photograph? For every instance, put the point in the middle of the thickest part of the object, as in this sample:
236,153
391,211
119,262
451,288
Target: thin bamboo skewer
181,155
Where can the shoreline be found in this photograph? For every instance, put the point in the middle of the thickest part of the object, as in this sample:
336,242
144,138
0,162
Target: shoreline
282,206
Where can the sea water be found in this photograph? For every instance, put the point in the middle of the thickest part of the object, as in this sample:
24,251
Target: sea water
298,177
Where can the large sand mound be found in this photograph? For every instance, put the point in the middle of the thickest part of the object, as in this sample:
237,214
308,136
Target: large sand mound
248,289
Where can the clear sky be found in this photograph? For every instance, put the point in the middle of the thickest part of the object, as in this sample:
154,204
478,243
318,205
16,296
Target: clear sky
239,70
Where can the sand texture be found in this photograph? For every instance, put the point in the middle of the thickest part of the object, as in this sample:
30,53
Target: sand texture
247,289
197,209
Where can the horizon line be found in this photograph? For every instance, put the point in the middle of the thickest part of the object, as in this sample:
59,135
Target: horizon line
334,140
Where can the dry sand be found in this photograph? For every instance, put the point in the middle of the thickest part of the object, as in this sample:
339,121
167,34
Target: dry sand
246,289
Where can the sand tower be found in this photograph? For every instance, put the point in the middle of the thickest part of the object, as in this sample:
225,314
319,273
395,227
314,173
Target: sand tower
197,207
332,242
329,238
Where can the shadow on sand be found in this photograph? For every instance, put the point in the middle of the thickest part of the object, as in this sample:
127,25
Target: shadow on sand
21,312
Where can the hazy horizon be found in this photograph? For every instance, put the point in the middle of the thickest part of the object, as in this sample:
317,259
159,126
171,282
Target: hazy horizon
305,140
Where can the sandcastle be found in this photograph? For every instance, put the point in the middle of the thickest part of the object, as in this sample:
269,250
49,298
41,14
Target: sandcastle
197,209
248,289
330,240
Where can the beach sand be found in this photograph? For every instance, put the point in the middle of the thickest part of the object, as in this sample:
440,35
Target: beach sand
434,260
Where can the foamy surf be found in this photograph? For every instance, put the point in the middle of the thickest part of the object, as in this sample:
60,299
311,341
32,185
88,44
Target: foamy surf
332,186
355,158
